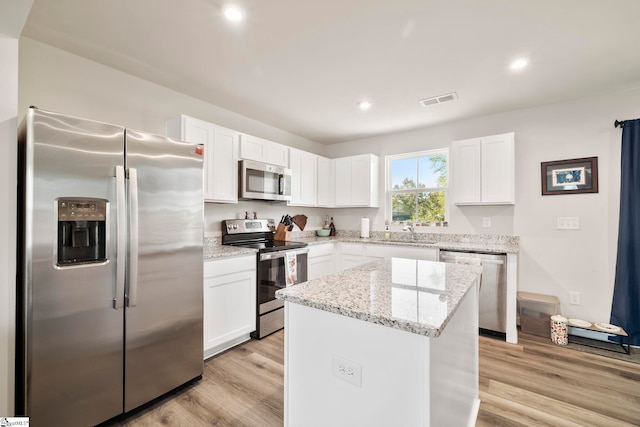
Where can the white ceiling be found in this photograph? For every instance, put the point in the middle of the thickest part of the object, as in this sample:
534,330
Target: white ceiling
302,65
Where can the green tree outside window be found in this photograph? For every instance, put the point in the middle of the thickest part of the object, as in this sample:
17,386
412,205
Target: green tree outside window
418,188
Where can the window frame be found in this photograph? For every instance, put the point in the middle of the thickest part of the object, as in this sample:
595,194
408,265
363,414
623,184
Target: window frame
390,192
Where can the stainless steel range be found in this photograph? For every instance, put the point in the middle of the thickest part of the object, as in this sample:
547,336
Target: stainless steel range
279,264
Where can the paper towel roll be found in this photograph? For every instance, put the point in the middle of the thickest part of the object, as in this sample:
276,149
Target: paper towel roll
364,228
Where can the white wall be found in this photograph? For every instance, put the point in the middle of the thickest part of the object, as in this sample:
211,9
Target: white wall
551,261
12,17
8,122
56,80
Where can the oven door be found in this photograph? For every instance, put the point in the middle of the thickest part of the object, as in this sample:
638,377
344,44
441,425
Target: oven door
272,276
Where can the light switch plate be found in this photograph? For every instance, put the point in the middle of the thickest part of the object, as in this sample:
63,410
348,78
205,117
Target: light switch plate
568,223
486,221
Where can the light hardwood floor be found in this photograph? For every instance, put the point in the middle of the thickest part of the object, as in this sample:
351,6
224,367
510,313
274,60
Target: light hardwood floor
533,383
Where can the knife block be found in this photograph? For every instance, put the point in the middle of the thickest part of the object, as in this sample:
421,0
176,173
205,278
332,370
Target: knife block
282,233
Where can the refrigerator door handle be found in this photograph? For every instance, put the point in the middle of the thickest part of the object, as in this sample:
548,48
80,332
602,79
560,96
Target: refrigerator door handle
133,238
121,245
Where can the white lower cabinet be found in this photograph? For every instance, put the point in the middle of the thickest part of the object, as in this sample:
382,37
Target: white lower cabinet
229,302
321,260
351,255
355,254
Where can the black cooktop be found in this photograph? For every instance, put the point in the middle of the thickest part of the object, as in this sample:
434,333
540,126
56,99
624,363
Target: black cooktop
270,245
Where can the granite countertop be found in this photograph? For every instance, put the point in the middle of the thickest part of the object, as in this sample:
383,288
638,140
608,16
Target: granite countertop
212,252
411,295
488,247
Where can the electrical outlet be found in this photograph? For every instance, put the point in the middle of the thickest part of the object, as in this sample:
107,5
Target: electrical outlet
574,298
486,221
568,223
347,370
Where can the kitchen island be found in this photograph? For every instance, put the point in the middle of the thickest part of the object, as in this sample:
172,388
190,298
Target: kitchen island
393,342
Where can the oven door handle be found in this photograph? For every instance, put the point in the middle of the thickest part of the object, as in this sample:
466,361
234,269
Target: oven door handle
281,254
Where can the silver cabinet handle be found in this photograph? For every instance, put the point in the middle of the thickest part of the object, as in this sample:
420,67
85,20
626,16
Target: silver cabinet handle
121,245
276,255
133,238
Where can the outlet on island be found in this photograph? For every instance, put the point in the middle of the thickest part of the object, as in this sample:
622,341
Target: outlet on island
346,370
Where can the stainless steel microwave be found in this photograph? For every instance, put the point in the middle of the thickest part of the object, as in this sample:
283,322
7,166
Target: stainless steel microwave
262,181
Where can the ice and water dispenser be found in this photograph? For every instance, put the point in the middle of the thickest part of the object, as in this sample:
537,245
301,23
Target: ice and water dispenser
81,231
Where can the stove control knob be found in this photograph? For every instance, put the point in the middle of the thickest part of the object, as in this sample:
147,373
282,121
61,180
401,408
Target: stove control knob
228,226
235,226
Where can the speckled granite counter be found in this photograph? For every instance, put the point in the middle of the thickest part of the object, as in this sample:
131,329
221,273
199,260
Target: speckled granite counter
212,252
410,295
488,245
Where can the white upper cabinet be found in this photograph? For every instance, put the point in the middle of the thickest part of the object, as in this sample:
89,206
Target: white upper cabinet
356,181
304,169
221,155
261,150
326,182
482,170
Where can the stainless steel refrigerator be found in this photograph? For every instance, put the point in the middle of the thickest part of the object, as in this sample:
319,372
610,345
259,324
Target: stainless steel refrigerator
109,295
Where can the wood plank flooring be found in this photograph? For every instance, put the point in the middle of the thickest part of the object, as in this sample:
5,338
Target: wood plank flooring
533,383
536,383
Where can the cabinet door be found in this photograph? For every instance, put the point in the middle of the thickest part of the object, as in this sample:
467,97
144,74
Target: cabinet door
262,150
200,132
229,302
309,179
276,154
320,266
304,169
321,260
465,170
295,164
351,255
483,170
220,155
360,180
326,182
252,148
498,169
223,161
343,181
356,181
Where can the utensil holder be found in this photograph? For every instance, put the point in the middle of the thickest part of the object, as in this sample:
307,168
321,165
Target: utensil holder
282,233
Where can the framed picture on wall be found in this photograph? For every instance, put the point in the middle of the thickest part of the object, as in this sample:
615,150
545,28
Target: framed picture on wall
573,176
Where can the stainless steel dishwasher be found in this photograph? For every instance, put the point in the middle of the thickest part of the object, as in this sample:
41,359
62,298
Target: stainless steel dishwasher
493,287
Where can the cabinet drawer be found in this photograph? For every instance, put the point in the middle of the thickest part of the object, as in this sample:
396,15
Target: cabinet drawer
353,249
229,265
321,249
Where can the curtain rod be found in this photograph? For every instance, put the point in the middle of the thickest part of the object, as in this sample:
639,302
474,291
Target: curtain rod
619,123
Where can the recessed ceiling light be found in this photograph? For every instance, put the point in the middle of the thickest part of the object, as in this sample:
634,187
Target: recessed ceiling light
233,13
519,64
364,105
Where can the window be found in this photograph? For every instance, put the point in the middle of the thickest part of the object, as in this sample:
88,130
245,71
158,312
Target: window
417,186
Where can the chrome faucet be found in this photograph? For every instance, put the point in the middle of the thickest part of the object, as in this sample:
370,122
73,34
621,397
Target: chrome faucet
410,227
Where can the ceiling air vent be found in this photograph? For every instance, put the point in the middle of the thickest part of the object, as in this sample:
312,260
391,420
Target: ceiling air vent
438,99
